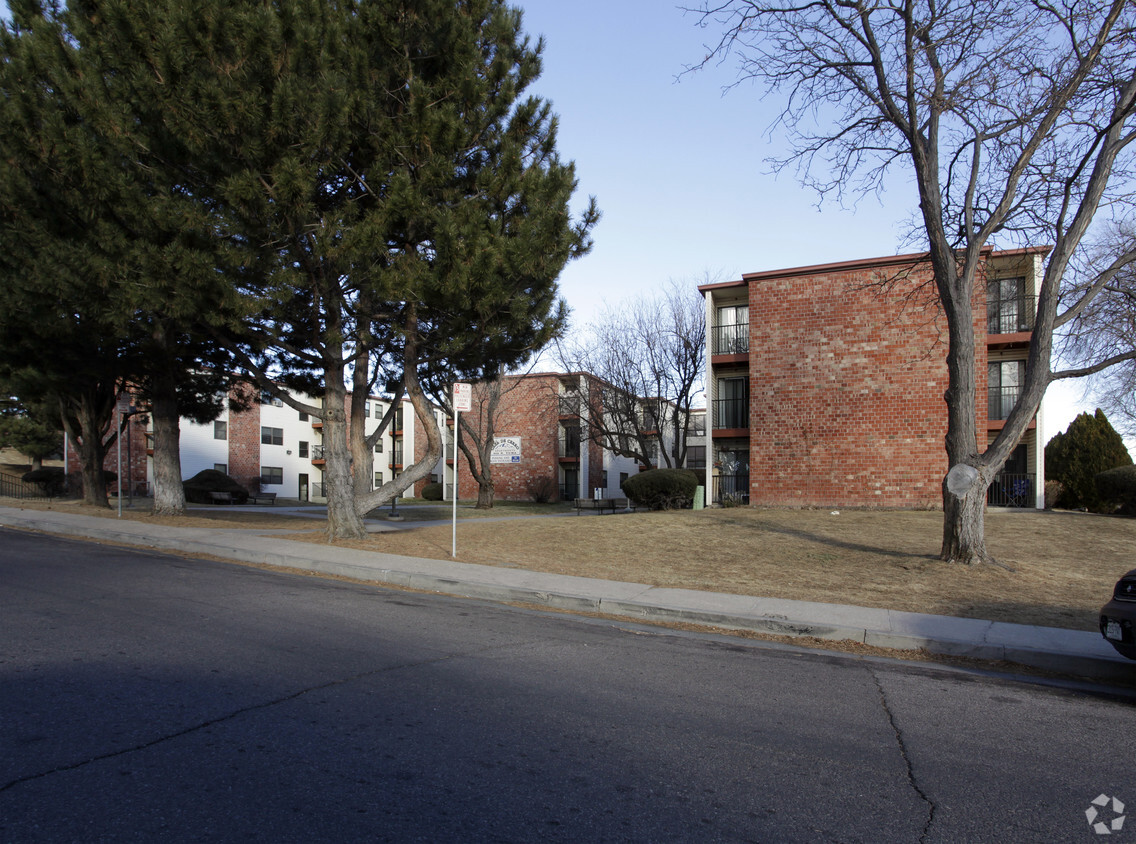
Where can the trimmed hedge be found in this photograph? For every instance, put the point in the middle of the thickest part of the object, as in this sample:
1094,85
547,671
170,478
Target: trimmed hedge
1117,489
662,489
198,487
432,492
51,480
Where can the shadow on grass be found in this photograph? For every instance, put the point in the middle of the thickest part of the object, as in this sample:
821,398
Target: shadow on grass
821,539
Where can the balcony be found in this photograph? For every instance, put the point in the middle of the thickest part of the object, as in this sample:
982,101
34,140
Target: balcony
731,489
731,413
1000,401
1010,316
569,446
317,456
1012,490
396,458
569,406
730,339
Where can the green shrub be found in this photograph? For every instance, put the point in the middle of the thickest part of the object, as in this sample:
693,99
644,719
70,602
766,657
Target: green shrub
51,480
432,492
198,487
1088,447
662,489
1116,489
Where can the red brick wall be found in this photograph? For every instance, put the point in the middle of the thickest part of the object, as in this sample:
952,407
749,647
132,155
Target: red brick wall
529,409
244,441
846,391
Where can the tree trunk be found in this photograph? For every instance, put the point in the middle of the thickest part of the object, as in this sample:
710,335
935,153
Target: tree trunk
362,455
89,446
343,522
169,494
964,510
485,495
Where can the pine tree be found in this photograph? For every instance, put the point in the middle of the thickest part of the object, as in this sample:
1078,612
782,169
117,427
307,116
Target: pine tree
1089,446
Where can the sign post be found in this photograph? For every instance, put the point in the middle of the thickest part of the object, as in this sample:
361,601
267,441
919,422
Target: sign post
463,400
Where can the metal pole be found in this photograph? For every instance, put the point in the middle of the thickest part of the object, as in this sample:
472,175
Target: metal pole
118,445
457,433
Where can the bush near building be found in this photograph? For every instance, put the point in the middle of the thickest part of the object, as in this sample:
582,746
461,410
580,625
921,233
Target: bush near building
662,489
1116,489
1088,447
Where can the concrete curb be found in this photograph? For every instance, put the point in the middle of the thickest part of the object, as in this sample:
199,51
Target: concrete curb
1073,652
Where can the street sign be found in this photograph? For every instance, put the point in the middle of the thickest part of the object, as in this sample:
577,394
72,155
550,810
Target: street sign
463,397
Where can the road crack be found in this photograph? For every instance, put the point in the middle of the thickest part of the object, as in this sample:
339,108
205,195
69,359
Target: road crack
221,719
911,778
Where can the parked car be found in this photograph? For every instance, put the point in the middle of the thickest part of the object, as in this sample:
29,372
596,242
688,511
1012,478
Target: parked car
1118,616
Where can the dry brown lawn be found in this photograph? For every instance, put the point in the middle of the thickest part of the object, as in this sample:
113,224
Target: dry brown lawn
1062,566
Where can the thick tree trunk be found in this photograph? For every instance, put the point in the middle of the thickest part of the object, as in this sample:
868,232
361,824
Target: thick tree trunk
964,511
343,521
485,495
169,494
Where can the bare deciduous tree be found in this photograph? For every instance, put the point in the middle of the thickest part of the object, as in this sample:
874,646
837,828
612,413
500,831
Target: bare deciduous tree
651,354
1011,118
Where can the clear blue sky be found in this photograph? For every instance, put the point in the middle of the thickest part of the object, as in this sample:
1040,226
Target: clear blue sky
678,167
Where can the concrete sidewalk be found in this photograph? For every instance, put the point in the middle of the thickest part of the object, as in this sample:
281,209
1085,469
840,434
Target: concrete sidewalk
1072,652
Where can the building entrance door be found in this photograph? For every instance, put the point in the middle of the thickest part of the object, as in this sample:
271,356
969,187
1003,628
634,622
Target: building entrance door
303,494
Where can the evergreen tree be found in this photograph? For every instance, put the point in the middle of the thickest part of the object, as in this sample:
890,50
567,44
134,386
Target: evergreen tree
1089,446
112,263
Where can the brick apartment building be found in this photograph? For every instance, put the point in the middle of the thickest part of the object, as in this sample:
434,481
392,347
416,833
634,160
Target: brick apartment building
826,389
543,449
543,445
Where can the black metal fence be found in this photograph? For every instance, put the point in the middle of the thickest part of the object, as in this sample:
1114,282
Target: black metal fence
731,413
1010,316
13,487
1001,400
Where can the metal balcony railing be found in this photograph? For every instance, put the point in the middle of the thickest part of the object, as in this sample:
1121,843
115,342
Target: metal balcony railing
731,489
569,405
317,453
731,339
731,413
1010,316
1012,490
570,446
1000,401
396,457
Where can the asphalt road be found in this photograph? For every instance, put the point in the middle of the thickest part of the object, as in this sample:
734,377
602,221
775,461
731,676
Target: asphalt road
146,697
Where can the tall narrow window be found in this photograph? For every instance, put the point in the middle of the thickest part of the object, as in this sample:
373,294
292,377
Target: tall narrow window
220,430
731,334
1004,384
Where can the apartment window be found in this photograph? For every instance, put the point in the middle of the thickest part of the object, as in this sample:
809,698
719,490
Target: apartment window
1008,311
220,430
379,446
731,406
303,416
378,479
604,479
221,467
696,457
303,448
271,474
1004,380
267,398
271,436
366,410
731,334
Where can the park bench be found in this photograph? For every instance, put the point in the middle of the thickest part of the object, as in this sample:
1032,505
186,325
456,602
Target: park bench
257,497
602,504
221,497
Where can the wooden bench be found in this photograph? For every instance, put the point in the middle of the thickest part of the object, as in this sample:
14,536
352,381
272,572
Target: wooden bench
256,498
221,497
602,504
